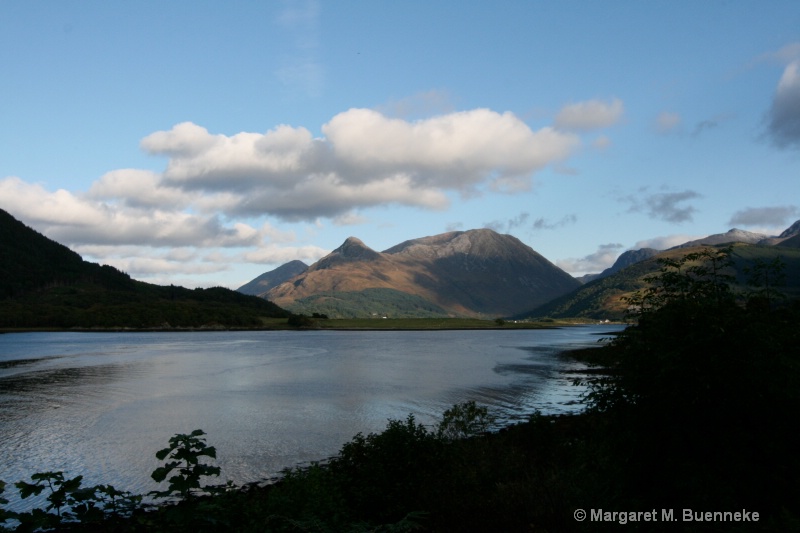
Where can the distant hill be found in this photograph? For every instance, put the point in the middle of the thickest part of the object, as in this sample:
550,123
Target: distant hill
788,236
45,284
603,298
273,278
733,235
462,273
625,260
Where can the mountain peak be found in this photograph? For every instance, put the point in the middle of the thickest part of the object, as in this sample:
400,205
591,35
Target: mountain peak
460,273
473,242
730,236
354,248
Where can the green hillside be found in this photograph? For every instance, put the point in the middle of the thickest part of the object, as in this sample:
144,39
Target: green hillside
44,284
368,302
603,298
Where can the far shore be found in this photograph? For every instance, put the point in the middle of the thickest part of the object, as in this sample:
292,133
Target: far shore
344,324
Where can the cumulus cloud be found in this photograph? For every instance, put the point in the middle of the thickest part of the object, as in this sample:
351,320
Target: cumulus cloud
138,188
589,115
364,159
601,259
783,119
664,206
212,183
774,216
70,218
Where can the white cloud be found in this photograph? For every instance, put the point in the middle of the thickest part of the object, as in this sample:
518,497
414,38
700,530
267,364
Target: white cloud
213,184
275,255
138,188
73,219
454,151
365,159
589,115
593,263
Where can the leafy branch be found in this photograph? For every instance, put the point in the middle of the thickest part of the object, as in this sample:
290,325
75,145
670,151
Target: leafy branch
184,454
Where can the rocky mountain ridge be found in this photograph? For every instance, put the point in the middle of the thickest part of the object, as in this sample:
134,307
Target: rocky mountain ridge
464,273
461,273
604,297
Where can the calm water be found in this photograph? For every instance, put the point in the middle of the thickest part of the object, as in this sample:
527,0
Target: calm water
102,404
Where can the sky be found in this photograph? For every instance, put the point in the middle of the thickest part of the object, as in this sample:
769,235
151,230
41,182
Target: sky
204,143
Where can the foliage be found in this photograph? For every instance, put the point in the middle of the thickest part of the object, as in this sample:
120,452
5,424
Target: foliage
464,420
699,393
184,453
763,277
697,276
383,475
301,321
69,503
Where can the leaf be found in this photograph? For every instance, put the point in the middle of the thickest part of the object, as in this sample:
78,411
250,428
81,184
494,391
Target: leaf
26,489
161,473
161,454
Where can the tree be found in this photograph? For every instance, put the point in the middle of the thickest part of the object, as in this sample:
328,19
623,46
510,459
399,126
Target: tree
701,387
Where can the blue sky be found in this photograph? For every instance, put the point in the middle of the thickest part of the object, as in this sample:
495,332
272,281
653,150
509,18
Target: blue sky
203,143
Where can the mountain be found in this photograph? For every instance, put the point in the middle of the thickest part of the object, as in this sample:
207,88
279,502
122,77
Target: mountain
625,260
730,236
461,273
273,278
604,298
44,284
789,237
791,231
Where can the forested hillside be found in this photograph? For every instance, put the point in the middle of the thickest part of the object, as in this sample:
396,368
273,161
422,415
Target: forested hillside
607,297
45,284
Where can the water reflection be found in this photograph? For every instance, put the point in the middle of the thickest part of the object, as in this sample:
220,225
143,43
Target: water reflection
101,404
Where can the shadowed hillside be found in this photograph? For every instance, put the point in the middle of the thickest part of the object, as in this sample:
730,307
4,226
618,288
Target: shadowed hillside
45,284
604,298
